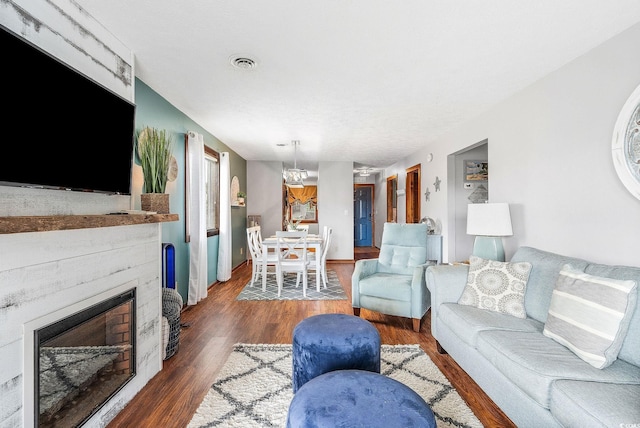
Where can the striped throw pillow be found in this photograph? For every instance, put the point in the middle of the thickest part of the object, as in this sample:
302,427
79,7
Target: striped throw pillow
590,315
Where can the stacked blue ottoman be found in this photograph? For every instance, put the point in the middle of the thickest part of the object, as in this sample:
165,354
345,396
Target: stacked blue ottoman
358,398
327,342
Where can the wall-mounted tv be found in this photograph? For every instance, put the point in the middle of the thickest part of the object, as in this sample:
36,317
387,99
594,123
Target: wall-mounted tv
66,131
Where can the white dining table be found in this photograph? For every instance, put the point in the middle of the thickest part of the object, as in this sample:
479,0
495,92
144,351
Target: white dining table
313,241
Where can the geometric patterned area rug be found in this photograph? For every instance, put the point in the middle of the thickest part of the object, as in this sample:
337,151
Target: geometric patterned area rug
333,291
254,387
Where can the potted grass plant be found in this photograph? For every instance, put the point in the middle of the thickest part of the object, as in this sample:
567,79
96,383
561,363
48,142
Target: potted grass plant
154,150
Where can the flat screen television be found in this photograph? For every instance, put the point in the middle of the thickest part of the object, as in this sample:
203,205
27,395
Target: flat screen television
67,131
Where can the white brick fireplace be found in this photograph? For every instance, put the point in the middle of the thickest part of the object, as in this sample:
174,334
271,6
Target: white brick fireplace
44,272
56,247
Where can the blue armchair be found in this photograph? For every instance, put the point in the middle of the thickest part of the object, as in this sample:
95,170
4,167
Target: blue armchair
394,283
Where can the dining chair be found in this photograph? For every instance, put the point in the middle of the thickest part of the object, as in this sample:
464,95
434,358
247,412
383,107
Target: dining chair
324,249
254,242
292,254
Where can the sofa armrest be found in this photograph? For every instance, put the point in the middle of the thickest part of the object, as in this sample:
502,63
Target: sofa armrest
446,284
362,269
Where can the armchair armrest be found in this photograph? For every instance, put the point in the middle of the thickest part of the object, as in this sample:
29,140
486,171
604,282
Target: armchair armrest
420,295
362,269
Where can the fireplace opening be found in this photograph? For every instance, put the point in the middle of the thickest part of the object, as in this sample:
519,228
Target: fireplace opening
82,360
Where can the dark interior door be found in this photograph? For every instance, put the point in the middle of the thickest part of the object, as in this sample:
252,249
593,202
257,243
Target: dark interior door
363,221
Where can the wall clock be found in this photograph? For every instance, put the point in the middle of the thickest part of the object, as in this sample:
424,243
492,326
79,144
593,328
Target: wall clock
625,147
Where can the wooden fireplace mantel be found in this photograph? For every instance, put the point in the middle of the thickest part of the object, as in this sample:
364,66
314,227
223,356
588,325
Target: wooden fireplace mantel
23,224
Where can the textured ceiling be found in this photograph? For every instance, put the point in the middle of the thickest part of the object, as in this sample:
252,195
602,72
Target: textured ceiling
367,81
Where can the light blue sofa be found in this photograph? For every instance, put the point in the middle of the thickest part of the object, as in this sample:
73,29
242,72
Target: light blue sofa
535,380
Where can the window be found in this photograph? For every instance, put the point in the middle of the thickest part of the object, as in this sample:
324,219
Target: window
303,212
212,189
301,205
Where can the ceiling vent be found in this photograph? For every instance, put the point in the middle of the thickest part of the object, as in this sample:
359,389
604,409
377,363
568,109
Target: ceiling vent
243,62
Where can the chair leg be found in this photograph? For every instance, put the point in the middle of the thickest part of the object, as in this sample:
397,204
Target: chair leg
253,274
304,284
324,276
440,349
356,312
279,280
416,324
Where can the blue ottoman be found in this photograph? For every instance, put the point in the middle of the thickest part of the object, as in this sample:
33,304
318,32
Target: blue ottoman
327,342
357,398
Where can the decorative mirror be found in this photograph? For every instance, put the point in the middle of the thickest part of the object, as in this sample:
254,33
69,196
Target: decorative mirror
625,147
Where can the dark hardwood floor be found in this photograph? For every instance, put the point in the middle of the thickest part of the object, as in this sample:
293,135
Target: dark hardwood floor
365,253
219,321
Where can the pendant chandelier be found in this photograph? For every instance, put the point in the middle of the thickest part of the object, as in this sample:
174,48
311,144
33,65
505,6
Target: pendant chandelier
293,177
364,172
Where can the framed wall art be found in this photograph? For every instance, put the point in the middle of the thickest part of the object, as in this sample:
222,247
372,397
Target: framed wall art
475,170
625,147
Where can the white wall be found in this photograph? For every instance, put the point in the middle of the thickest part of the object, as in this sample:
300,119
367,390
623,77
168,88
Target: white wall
335,206
550,158
264,194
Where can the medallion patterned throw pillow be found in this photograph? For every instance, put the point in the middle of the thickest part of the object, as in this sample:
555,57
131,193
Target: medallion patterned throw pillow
496,286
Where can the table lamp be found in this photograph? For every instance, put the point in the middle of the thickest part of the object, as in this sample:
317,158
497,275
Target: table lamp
489,222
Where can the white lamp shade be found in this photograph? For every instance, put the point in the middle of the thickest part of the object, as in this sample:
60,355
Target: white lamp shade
489,220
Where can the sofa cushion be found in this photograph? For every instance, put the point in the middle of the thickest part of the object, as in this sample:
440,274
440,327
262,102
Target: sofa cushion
533,361
590,315
545,267
595,404
387,286
466,321
496,286
629,351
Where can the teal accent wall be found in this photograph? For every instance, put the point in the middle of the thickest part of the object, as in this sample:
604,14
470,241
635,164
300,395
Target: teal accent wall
153,110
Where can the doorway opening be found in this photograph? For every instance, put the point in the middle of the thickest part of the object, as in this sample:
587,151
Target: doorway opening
392,199
462,192
363,215
413,194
